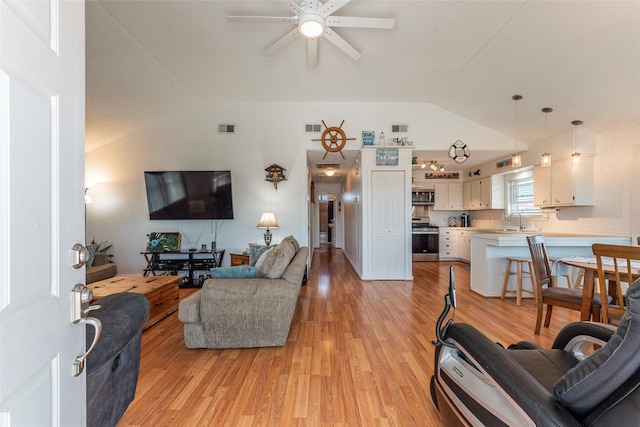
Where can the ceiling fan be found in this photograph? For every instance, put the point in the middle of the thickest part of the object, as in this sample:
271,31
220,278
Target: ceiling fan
312,20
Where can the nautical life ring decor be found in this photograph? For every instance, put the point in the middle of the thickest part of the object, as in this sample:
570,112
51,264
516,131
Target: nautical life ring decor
459,152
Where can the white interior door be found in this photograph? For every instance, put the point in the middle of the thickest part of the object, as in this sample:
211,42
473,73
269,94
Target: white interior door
41,211
388,220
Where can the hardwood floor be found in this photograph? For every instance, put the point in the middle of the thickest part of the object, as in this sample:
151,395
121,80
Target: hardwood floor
358,354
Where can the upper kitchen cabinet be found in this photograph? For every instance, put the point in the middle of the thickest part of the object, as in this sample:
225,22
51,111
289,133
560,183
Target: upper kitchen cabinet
484,193
448,197
564,184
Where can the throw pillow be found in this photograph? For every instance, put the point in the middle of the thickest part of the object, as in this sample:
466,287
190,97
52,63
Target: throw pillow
275,261
235,272
293,240
255,251
261,260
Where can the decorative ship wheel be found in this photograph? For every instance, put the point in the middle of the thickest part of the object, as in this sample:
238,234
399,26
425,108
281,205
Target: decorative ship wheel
333,139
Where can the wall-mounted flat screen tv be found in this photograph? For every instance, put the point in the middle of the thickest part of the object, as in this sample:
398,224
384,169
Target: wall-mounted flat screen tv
189,194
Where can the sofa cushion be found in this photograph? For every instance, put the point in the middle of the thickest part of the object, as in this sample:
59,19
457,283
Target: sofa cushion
101,272
234,272
276,261
293,240
100,258
591,381
255,251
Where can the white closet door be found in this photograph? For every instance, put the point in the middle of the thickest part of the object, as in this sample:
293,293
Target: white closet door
388,224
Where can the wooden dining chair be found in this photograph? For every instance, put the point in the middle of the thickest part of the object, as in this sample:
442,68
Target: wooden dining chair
615,266
546,293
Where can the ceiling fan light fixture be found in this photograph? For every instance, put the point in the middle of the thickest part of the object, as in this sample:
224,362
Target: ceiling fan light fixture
311,25
329,172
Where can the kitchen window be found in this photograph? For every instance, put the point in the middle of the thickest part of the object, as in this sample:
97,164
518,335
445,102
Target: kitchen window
520,195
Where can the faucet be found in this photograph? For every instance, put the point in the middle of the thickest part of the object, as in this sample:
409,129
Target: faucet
521,228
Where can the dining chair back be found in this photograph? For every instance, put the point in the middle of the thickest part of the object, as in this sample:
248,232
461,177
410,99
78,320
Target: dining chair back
545,291
617,264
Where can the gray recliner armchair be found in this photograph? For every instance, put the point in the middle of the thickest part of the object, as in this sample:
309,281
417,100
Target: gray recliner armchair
113,365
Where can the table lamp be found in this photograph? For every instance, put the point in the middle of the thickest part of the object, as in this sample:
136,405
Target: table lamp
267,220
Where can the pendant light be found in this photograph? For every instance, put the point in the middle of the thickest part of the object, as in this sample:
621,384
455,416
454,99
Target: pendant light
546,157
575,157
516,159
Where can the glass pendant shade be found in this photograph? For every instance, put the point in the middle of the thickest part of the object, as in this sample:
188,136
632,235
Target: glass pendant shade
516,160
575,157
546,160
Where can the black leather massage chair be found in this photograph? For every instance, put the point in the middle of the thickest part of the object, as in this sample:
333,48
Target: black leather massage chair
590,376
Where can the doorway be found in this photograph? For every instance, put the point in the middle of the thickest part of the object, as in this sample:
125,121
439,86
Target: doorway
326,219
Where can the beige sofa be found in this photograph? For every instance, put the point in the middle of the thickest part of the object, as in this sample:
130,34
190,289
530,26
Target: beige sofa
100,269
240,313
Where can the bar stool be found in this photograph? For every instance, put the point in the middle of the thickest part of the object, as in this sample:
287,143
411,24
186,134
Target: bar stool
520,273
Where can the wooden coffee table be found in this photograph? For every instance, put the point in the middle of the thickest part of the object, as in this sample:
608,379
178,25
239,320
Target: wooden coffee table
161,291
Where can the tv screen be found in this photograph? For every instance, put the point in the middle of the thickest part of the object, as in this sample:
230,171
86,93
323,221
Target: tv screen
189,194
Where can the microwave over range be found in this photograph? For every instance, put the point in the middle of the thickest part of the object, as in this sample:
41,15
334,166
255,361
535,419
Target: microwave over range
422,197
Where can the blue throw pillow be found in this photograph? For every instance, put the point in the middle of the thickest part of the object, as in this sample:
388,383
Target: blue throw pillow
235,272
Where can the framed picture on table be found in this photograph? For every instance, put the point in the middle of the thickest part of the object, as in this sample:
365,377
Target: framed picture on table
163,242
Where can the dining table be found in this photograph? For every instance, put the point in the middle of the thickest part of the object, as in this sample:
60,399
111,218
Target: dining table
590,267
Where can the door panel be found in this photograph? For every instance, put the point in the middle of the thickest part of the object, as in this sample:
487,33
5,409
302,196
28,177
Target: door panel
388,221
41,210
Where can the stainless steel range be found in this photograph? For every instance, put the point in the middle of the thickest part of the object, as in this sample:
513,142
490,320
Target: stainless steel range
425,242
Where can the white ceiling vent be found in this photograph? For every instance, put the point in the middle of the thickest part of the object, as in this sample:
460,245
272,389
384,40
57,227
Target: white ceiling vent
399,128
226,128
313,128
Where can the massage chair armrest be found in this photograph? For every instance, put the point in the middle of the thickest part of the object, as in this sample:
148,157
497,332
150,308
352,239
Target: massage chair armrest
572,336
519,385
577,332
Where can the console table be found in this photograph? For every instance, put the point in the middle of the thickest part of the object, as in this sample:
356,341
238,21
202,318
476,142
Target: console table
189,261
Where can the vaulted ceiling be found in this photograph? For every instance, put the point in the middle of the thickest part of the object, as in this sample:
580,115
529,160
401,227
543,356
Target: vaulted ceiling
149,60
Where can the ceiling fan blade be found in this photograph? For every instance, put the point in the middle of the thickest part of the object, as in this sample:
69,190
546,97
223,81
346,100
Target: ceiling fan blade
295,7
312,52
341,43
282,42
332,6
357,22
267,19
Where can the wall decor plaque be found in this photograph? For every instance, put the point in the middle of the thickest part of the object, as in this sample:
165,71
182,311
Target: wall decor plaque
387,156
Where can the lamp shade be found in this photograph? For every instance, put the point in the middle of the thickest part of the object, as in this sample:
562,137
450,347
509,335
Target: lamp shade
267,220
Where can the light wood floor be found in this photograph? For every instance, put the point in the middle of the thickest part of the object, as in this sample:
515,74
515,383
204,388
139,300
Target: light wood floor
358,354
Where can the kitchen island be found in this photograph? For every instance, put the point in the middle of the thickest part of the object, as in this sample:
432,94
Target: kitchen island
489,251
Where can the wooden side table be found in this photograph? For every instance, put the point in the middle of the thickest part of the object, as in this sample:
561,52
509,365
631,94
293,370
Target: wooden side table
239,259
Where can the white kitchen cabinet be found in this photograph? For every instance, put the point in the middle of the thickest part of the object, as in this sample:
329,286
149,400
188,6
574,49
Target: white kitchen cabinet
542,186
463,245
448,197
448,243
484,193
564,184
467,198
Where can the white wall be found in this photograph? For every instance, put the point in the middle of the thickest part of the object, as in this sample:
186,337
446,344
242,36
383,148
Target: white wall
266,133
